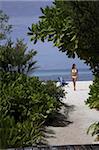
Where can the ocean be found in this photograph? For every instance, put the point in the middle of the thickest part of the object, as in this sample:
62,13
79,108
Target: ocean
84,74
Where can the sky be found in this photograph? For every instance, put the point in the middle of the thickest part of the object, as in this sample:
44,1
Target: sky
22,13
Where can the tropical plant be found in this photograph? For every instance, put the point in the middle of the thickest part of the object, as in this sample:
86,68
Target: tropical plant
72,26
7,126
17,58
94,130
93,100
5,28
19,134
25,104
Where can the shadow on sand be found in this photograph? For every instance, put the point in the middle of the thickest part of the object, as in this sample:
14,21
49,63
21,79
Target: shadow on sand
60,119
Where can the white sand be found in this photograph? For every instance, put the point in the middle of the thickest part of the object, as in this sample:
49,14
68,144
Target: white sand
81,116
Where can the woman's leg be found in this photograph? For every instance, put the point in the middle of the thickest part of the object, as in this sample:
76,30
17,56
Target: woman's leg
74,84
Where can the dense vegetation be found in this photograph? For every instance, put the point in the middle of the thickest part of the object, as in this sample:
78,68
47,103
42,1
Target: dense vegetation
93,100
73,26
26,103
15,58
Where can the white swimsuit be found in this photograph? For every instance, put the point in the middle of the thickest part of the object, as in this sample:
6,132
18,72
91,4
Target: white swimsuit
74,73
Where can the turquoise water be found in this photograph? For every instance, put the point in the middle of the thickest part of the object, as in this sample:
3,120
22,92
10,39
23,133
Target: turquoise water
84,74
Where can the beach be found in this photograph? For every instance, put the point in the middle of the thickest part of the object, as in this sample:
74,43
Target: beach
79,117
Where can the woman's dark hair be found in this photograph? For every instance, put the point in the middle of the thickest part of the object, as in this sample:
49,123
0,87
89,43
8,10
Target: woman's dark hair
73,66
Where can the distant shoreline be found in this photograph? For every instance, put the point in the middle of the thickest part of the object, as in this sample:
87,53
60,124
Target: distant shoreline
63,69
84,74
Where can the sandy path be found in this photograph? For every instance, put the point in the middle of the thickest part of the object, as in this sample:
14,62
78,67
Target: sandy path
80,116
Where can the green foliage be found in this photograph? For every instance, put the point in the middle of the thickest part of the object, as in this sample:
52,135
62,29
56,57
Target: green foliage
25,105
93,100
7,125
5,28
19,134
25,102
72,26
94,130
16,58
52,90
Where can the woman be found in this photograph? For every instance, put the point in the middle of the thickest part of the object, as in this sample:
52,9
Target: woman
74,75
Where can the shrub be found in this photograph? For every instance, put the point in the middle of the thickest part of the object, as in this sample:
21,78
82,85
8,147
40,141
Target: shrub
94,130
18,134
93,100
26,103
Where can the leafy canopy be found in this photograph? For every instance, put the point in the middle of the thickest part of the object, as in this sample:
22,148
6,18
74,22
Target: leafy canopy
72,26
